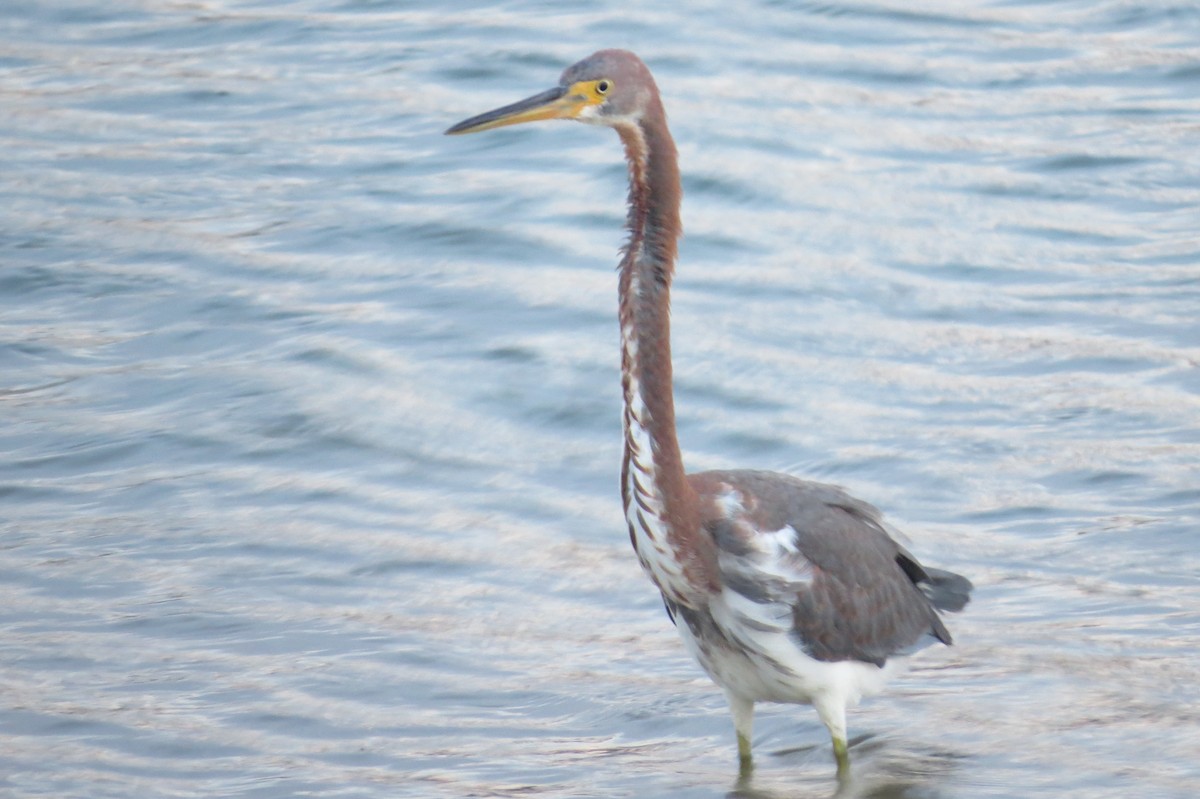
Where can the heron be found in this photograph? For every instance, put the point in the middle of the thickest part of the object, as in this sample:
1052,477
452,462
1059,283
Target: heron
784,590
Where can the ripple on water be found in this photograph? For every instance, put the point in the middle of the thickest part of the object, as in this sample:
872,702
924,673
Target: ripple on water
312,414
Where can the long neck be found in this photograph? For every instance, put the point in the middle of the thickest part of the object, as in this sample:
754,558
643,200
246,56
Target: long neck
660,505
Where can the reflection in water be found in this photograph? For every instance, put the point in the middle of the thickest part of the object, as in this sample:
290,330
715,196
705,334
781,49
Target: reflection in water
880,770
311,421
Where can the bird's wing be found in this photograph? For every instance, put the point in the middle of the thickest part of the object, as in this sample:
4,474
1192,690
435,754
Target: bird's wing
811,557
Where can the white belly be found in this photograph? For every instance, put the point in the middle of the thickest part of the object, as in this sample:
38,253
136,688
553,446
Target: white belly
768,665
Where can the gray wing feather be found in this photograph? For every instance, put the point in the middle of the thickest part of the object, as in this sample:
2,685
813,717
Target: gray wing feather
854,593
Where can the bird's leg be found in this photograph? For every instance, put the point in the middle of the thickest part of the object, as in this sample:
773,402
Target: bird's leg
743,723
832,711
842,756
745,760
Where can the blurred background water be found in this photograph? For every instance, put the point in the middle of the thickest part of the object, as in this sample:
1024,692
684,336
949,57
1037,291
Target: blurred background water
310,415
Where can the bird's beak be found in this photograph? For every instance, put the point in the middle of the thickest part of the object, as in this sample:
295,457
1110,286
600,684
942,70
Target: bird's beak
556,103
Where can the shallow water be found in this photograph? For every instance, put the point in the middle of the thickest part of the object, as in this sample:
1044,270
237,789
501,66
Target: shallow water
311,415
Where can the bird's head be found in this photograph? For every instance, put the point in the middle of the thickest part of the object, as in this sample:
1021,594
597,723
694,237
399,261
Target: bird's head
610,87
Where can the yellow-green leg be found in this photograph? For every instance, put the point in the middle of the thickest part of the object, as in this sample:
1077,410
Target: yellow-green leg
743,723
842,756
832,710
744,756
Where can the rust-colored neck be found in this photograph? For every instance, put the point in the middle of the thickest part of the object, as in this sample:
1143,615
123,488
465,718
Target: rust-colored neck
654,483
645,284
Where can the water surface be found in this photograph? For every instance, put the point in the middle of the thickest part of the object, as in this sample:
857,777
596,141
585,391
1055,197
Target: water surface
310,415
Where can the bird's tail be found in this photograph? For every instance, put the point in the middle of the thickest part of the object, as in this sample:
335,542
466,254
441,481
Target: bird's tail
946,590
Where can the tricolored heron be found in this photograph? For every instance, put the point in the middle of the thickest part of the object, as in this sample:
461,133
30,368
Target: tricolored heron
784,590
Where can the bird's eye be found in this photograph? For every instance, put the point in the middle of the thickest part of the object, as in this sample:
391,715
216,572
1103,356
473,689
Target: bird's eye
602,87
